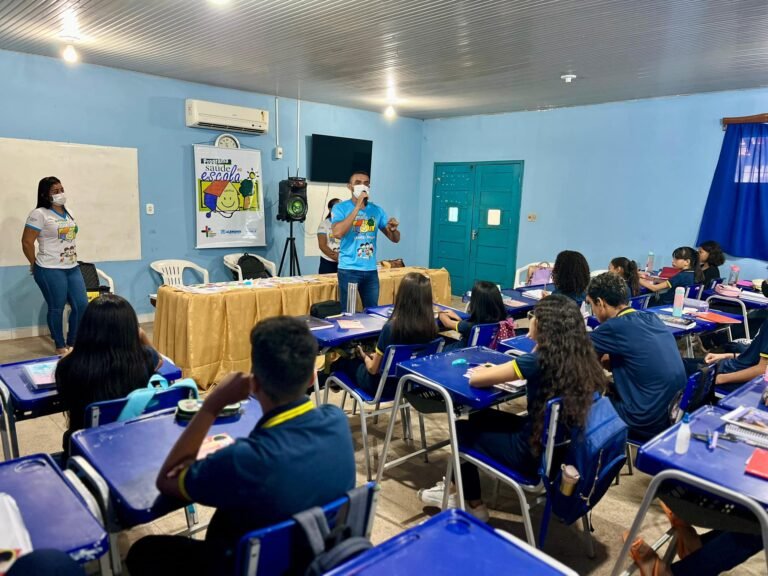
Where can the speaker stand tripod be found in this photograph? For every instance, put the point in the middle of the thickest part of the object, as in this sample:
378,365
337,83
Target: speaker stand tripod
290,245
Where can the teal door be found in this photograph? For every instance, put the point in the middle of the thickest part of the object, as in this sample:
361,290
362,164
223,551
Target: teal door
475,221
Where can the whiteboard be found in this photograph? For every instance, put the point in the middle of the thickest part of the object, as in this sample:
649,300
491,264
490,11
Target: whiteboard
99,181
318,196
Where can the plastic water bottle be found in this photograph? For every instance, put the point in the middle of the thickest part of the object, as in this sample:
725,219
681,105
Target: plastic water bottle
351,298
677,306
649,263
683,439
733,277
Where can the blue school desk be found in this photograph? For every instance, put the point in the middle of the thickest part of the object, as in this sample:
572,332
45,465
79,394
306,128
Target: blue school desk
453,542
335,336
439,373
20,402
517,346
720,472
386,310
127,457
53,509
750,394
528,303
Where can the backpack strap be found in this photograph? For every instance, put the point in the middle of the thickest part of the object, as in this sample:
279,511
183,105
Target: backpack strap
136,402
157,381
188,383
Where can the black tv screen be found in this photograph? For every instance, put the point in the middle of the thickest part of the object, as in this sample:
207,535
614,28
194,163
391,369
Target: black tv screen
334,159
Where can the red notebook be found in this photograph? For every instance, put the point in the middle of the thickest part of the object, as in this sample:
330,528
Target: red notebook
716,318
757,465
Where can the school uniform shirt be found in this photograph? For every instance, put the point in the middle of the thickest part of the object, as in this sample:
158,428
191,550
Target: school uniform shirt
757,349
325,229
710,275
56,241
579,298
357,249
684,279
647,368
298,456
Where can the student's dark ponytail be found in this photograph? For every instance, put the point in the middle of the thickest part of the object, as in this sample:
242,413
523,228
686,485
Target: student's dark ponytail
630,275
688,253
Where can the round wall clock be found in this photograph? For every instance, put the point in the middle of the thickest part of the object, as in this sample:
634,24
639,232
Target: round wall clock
227,141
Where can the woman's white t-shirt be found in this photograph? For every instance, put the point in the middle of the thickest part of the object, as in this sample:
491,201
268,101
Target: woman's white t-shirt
56,242
333,243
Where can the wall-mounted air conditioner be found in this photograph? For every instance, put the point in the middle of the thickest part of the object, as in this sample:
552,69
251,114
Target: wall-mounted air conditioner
202,114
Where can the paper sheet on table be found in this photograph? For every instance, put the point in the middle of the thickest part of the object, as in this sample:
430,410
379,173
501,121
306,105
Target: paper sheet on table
534,294
350,324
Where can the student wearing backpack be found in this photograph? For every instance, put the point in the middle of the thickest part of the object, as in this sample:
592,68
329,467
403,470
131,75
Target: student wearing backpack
643,357
112,358
485,307
298,456
563,365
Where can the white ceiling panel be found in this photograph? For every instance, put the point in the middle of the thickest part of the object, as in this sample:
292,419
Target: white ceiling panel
443,58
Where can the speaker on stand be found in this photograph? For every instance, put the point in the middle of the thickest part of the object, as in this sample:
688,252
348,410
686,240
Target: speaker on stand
292,207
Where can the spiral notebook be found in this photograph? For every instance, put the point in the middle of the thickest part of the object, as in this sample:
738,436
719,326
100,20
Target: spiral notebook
748,424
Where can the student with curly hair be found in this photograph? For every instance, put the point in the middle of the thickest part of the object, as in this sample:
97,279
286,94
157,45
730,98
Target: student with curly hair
710,257
563,365
570,275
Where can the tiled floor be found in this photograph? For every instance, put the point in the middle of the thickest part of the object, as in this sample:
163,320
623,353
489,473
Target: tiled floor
398,507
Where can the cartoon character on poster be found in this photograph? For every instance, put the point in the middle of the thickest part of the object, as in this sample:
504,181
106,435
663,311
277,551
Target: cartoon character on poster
249,189
221,197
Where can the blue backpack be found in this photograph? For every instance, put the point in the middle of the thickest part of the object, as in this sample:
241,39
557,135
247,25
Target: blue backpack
598,452
139,400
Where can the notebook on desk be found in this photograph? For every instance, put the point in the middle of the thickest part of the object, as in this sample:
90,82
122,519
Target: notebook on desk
667,272
757,465
41,375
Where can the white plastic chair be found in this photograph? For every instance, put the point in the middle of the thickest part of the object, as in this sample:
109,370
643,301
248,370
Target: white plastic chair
230,261
523,271
596,273
172,271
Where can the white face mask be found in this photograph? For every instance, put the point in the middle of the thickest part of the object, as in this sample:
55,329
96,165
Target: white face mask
59,199
358,189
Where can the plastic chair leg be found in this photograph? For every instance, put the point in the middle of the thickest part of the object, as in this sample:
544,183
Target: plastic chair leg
364,434
343,400
590,542
423,433
629,460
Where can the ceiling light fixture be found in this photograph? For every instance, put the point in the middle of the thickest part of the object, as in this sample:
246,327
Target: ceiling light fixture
568,78
70,29
70,54
390,113
219,2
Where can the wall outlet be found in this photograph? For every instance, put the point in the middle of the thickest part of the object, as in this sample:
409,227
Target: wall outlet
277,153
150,209
531,217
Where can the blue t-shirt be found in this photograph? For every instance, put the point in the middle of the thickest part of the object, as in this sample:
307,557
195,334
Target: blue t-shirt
358,246
757,349
298,456
647,368
685,278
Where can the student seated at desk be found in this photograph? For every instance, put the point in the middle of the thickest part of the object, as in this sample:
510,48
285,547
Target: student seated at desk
570,274
486,306
735,369
710,257
627,269
412,322
647,368
298,456
685,259
112,357
563,364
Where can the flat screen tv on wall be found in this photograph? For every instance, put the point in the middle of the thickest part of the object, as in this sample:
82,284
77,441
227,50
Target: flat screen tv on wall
334,159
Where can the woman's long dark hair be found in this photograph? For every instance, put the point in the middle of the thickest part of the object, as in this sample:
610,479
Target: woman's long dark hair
688,253
570,273
413,318
486,305
108,360
331,204
716,256
568,363
629,273
44,191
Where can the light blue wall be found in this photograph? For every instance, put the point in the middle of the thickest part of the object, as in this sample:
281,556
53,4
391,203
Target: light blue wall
43,99
609,180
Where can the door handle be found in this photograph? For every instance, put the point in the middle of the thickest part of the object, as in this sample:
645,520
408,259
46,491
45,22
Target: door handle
474,234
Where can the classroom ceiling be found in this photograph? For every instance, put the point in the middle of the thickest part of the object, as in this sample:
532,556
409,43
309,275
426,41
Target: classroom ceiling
431,58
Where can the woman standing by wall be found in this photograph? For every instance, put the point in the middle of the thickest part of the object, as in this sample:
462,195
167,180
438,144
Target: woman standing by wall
54,266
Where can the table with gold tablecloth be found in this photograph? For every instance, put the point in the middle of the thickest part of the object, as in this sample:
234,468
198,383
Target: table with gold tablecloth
207,335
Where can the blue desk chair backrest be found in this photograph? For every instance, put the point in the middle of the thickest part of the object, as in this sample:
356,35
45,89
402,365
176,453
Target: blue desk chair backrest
482,334
398,353
694,291
107,411
640,302
696,392
273,550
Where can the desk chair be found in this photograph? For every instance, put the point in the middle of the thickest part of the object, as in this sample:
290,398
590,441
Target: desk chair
482,334
640,302
393,355
694,291
172,272
273,550
738,302
521,274
230,261
106,412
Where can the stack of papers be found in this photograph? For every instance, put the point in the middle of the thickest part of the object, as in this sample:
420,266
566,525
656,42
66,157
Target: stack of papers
537,294
350,324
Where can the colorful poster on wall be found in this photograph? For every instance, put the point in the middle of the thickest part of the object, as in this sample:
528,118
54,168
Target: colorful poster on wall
229,198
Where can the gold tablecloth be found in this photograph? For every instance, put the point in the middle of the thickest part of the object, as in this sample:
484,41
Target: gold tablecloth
207,335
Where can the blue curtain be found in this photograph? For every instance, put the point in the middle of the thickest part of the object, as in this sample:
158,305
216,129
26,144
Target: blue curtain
736,214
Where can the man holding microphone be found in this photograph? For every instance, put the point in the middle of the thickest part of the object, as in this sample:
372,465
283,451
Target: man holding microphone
356,223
